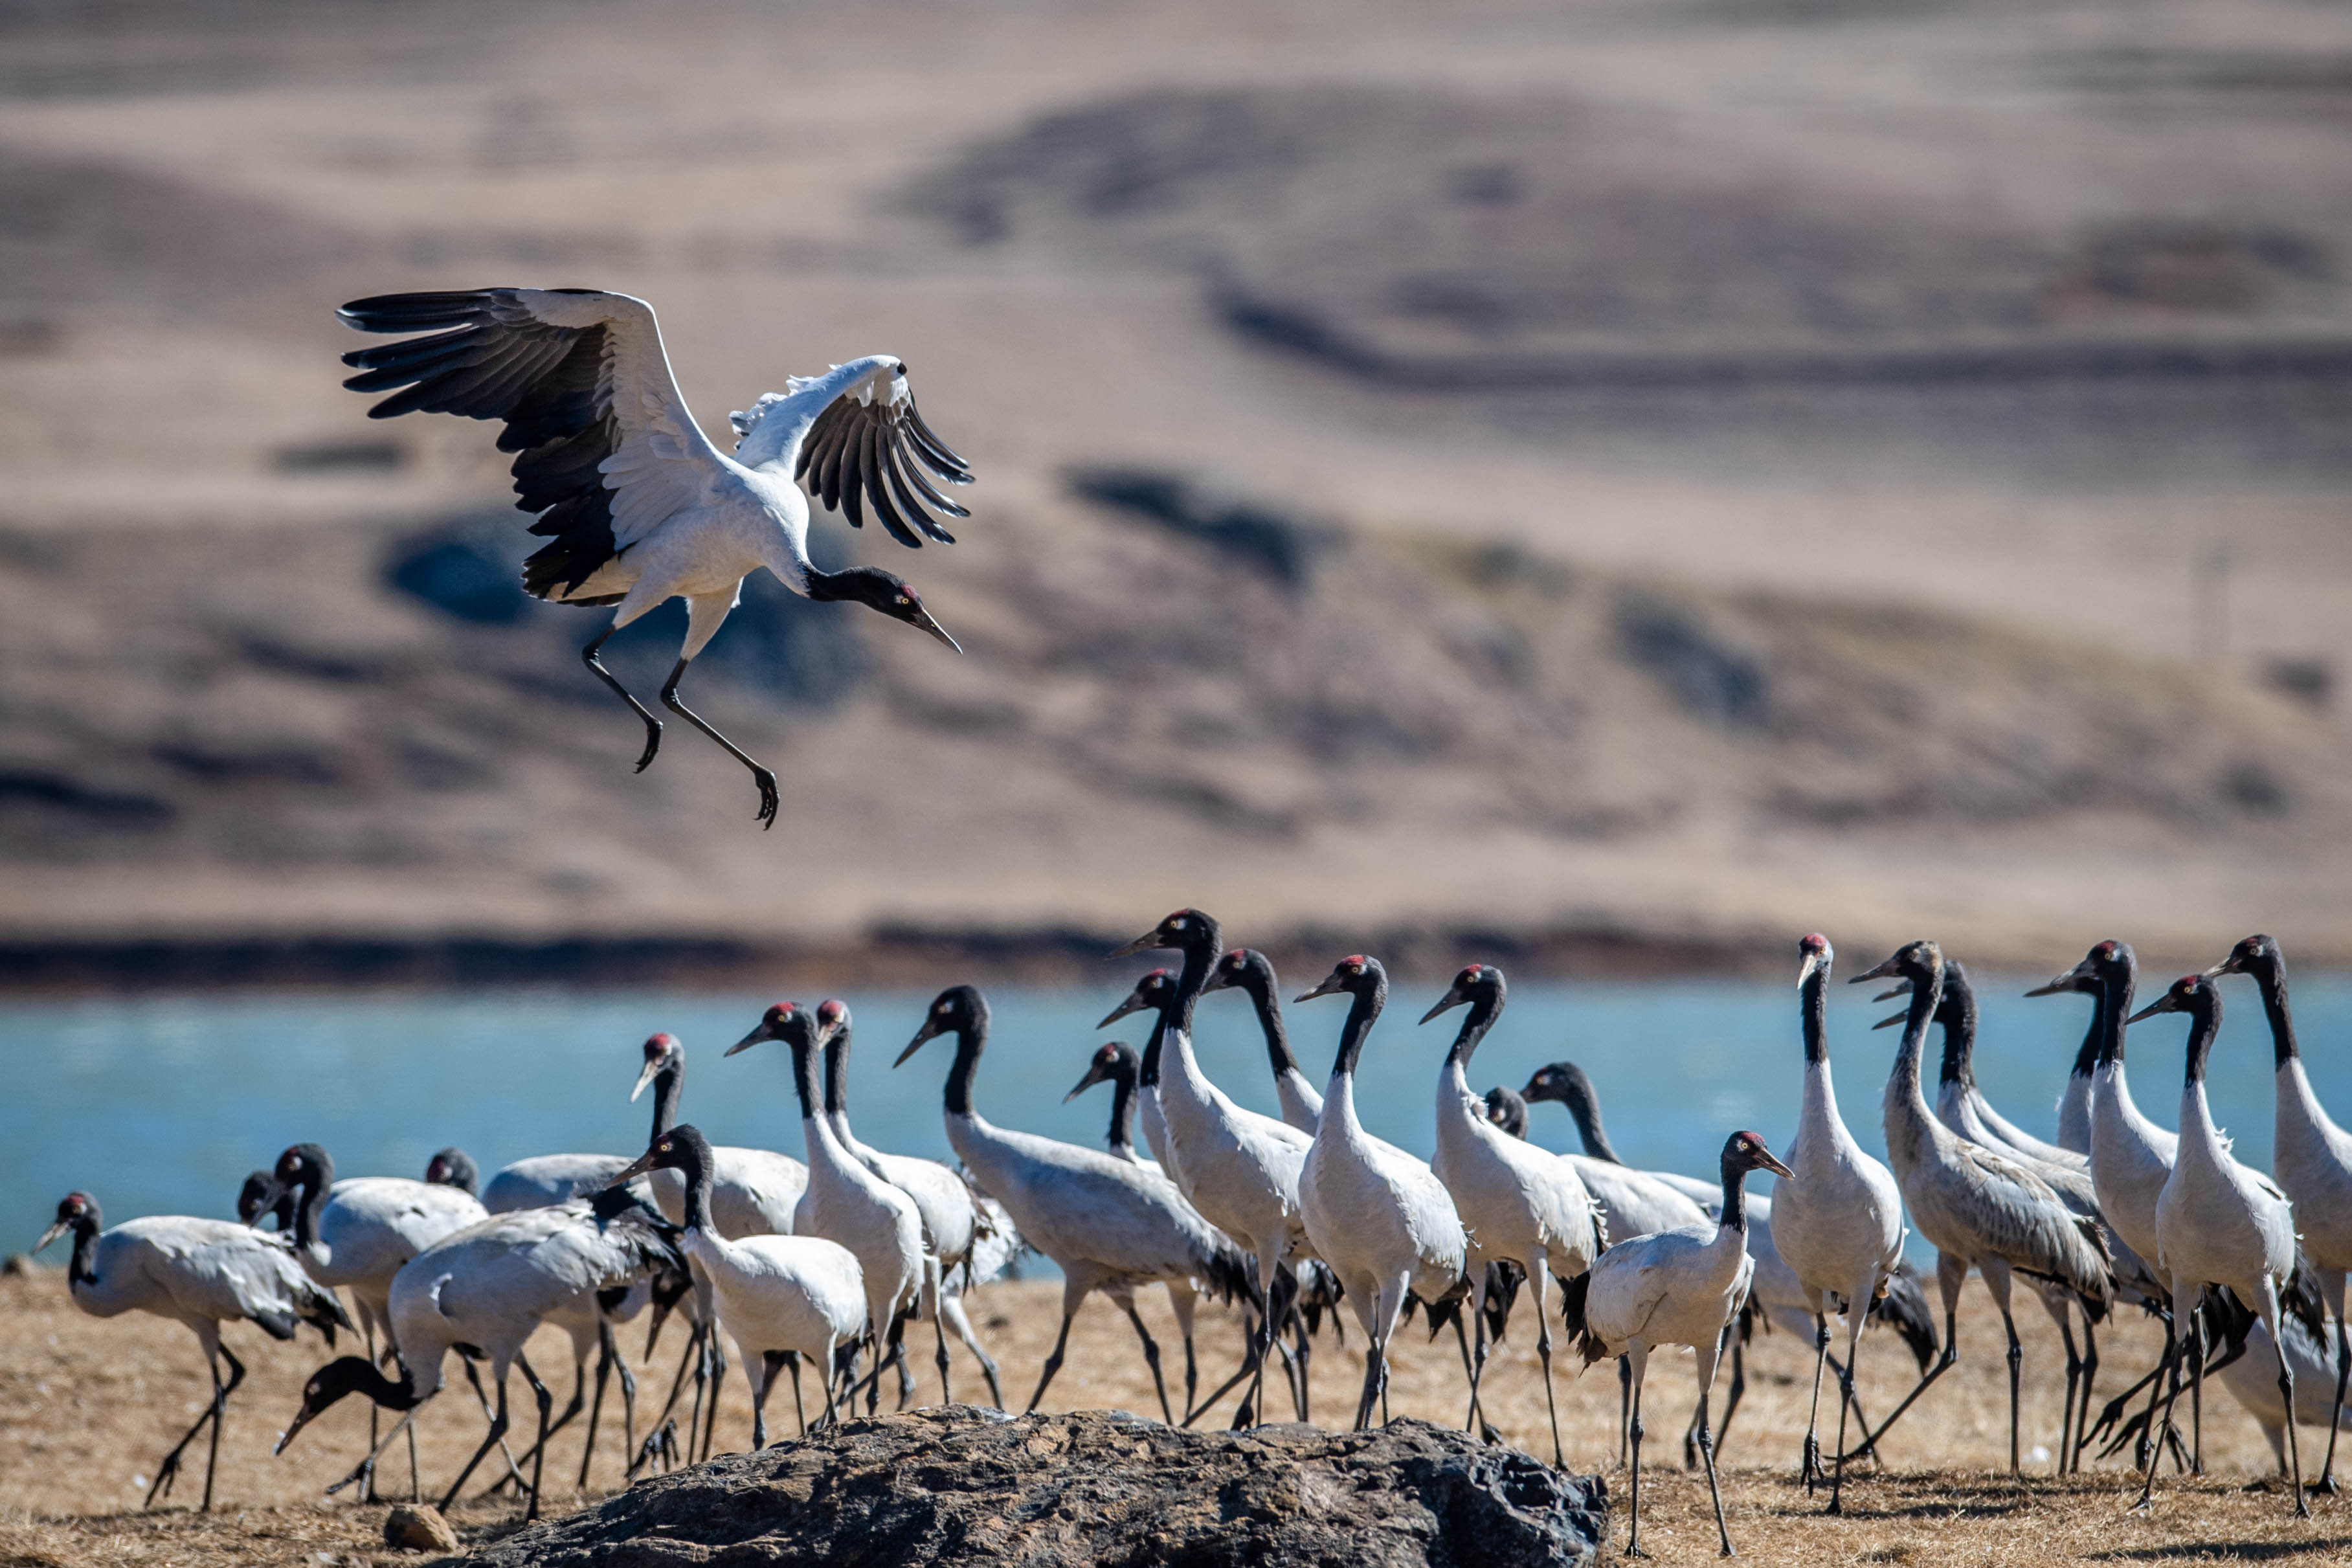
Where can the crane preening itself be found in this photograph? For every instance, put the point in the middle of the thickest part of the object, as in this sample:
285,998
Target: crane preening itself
639,507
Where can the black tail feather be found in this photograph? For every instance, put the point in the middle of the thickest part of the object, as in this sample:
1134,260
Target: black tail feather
1580,1338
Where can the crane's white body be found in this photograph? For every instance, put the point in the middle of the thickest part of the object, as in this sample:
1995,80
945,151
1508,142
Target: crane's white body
2219,1222
1838,1228
1515,1200
544,1180
369,1228
753,1192
200,1273
1302,1107
1241,1170
1631,1202
2131,1159
1379,1220
2312,1160
848,1203
1677,1287
800,1293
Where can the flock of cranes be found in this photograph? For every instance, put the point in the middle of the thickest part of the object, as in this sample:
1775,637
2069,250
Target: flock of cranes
824,1261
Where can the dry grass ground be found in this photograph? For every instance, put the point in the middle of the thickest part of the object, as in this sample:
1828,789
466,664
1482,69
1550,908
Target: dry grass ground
86,1408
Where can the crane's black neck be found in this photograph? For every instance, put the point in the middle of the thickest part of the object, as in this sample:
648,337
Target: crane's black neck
1585,1106
1958,1015
318,1174
1735,1192
1485,1008
2204,1023
666,1085
1122,1107
82,1267
357,1374
836,1073
1260,987
1926,996
1362,1014
2270,974
804,1076
971,1038
1813,1006
694,1164
1200,953
2114,1010
1166,1015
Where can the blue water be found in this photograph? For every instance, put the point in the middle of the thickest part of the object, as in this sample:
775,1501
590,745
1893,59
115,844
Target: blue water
162,1104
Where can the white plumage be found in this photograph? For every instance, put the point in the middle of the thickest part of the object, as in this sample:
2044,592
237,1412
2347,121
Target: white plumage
1108,1224
199,1272
752,1191
640,507
1378,1218
358,1233
1515,1201
1838,1223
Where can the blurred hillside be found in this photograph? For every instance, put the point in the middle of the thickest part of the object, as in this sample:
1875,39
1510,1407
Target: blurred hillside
1614,484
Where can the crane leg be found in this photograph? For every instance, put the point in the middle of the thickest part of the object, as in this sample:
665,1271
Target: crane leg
792,1362
1151,1359
367,1329
1474,1364
496,1435
1738,1390
596,1406
760,775
1811,1463
718,1383
1951,1273
2197,1406
2090,1377
579,1403
2326,1481
2016,1366
588,655
1624,1404
939,1327
760,1370
546,1403
961,1321
1539,1274
1053,1363
2183,1320
2064,1317
1633,1428
169,1470
1706,1364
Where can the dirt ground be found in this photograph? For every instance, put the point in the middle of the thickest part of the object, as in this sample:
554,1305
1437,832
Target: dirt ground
88,1407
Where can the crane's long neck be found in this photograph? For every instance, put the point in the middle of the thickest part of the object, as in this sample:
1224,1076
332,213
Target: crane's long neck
1269,1019
1588,1131
2114,1011
2205,1022
1958,1012
82,1267
1199,954
1361,1015
1122,1135
971,1038
1485,1008
814,1129
1735,1196
1905,1101
2271,976
1149,1070
1812,1006
696,1169
666,1084
837,1084
316,1181
2087,1058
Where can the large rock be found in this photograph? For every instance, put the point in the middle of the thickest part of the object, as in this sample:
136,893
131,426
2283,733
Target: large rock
961,1485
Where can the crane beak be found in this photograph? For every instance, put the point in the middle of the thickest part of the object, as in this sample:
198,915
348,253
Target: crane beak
1132,1004
1891,991
2219,970
1215,982
2150,1011
929,1029
286,1438
1453,998
759,1035
1143,943
923,621
1330,984
1879,973
1765,1160
636,1168
653,1071
1094,1076
2069,980
51,1234
1892,1018
268,1200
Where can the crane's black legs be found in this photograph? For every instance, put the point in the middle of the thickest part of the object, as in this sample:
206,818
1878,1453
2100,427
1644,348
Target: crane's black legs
497,1433
1951,1273
2326,1481
791,1361
596,667
1809,1468
1845,1398
766,781
1633,1429
2090,1376
169,1468
1150,1358
1053,1363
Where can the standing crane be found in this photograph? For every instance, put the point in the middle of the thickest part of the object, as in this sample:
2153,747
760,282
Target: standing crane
2310,1156
845,1202
1240,1169
2219,1222
1109,1225
638,506
1245,968
1838,1221
1677,1287
1975,1206
199,1272
776,1295
1383,1220
950,1219
1515,1201
487,1288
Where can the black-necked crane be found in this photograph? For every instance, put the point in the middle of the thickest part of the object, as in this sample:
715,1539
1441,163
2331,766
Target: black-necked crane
1246,969
1378,1218
1115,1064
2219,1222
1506,1110
199,1272
487,1288
1109,1225
1240,1169
950,1219
1515,1200
1677,1287
2311,1158
453,1167
358,1233
1838,1223
1631,1202
1973,1206
1960,1108
638,506
845,1202
1155,993
776,1295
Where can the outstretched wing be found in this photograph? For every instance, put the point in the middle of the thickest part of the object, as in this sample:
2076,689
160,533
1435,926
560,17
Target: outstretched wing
872,442
607,449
